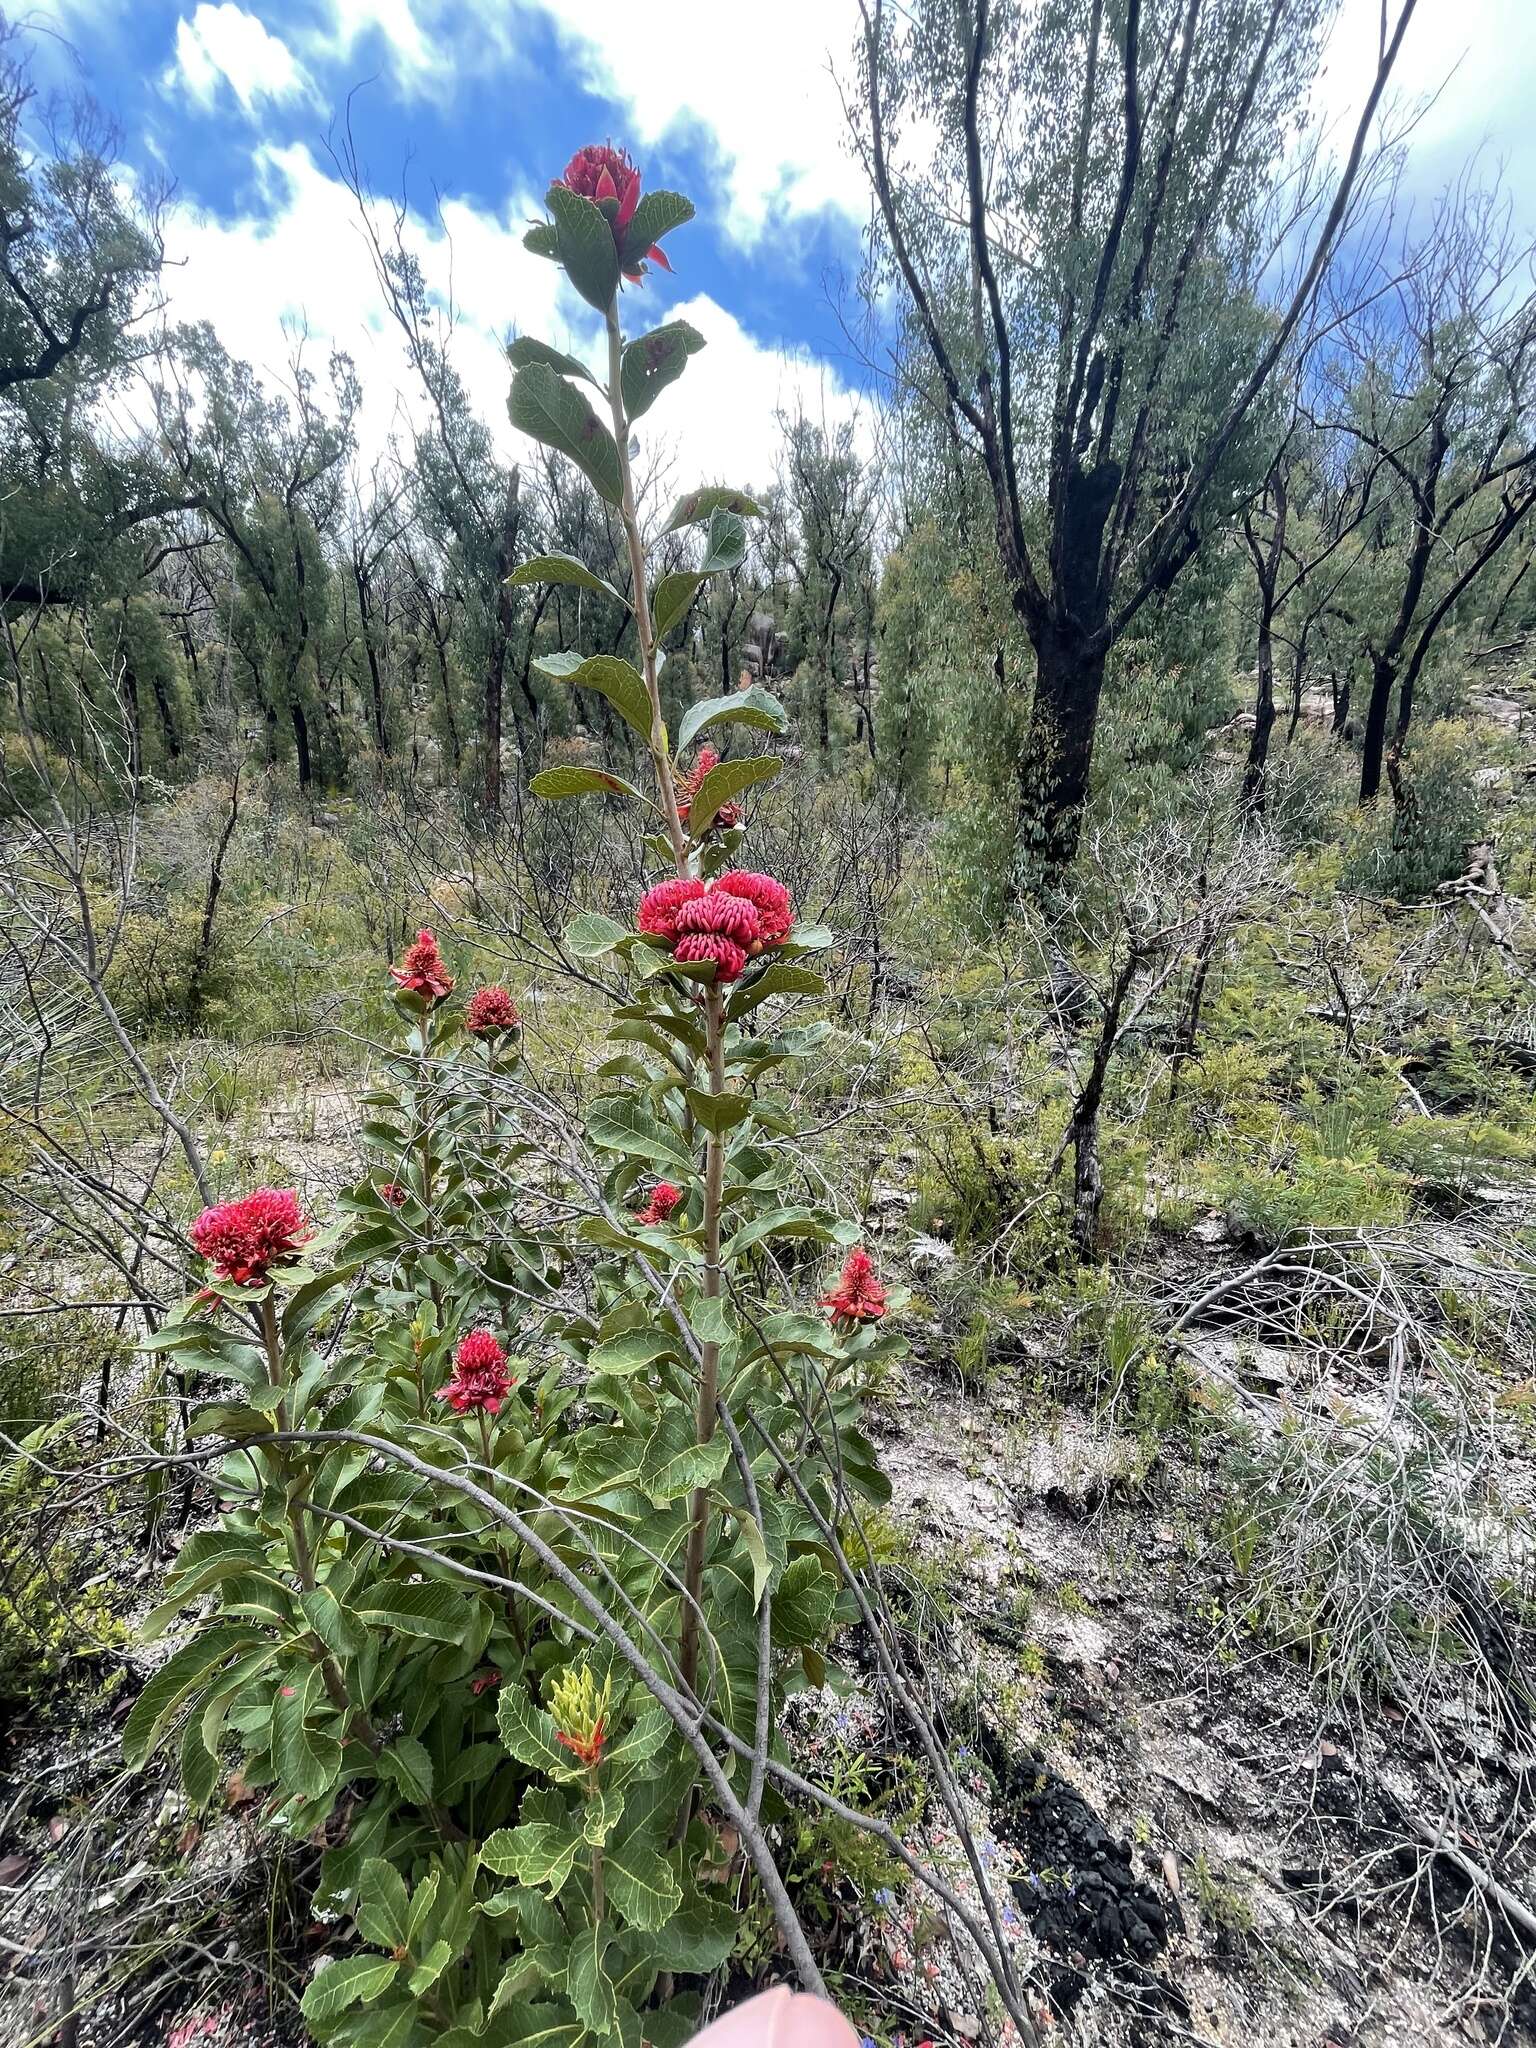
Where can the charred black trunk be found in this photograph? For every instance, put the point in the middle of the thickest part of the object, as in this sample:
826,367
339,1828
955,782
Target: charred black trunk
1058,750
1373,745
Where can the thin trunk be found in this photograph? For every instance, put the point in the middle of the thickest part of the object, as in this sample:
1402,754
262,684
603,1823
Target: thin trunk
1058,752
1373,745
301,742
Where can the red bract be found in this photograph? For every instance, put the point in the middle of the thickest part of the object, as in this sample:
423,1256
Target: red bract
491,1014
664,1199
243,1240
729,958
480,1376
588,1748
393,1193
727,814
659,907
422,972
606,176
770,899
858,1296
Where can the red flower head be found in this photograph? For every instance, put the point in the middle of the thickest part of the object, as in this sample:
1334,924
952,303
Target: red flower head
659,907
664,1199
730,915
491,1014
729,958
392,1192
422,972
243,1240
587,1749
480,1376
606,176
770,899
858,1296
688,788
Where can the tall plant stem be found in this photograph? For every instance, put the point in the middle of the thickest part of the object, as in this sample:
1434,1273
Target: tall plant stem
661,751
709,1354
714,1011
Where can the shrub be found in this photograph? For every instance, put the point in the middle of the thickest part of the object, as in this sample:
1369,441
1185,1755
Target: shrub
520,1568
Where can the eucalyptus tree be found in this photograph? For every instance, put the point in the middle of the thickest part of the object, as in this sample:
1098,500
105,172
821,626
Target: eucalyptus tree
833,503
1435,383
1111,231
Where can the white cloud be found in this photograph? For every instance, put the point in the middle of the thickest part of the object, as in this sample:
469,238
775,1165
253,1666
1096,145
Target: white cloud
223,45
755,83
300,262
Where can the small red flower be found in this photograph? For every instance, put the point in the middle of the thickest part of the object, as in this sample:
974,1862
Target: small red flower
664,1199
606,176
688,788
243,1240
729,958
480,1376
858,1296
422,972
770,899
491,1014
658,910
588,1748
484,1681
392,1192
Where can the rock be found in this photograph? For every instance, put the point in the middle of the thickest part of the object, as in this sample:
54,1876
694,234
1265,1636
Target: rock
884,1196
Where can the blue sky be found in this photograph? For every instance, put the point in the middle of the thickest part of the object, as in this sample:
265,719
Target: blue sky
477,105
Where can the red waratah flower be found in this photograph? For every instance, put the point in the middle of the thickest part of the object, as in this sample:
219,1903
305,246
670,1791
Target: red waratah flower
732,916
729,958
770,899
392,1192
480,1376
706,759
858,1296
422,972
491,1014
659,907
664,1199
243,1240
607,177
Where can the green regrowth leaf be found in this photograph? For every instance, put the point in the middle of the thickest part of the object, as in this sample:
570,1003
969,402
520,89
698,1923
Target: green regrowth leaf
542,404
695,506
555,783
653,362
585,245
724,782
564,569
755,707
612,677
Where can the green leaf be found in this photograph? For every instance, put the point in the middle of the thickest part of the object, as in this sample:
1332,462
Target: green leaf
343,1983
526,349
657,214
612,677
651,1729
587,1984
542,404
383,1905
554,783
697,1940
756,706
542,240
563,569
670,601
538,1852
777,1223
632,1350
394,2026
757,1550
778,980
177,1678
585,245
406,1761
590,935
696,506
641,1885
617,1123
308,1759
726,542
670,1470
440,1613
718,1113
653,362
725,782
529,1733
336,1626
430,1968
199,1766
803,1604
709,1317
